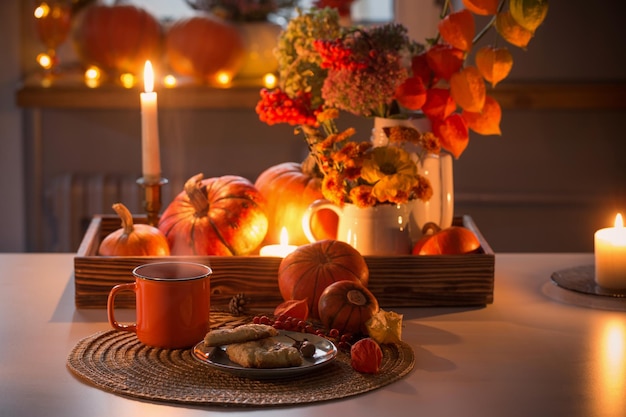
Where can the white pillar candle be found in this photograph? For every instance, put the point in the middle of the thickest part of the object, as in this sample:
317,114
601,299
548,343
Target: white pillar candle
150,156
610,255
281,250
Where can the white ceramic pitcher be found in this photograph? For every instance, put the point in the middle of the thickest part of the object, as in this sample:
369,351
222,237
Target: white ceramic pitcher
377,230
437,168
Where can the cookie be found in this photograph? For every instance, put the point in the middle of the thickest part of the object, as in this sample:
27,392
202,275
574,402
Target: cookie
239,334
264,353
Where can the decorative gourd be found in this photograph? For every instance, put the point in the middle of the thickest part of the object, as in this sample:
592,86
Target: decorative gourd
215,216
306,272
289,188
453,240
118,38
204,47
133,239
347,306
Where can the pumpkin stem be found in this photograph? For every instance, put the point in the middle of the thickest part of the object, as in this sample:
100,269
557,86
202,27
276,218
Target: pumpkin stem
127,218
356,297
197,196
430,228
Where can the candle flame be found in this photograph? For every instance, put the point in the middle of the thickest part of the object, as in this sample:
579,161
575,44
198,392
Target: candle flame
148,77
284,237
619,222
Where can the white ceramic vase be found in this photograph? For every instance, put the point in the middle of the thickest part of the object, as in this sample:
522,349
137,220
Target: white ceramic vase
379,230
437,168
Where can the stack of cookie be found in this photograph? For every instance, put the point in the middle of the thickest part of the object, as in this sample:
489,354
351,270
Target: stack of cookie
253,346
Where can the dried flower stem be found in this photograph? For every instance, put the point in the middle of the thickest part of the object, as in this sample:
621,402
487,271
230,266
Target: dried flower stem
489,25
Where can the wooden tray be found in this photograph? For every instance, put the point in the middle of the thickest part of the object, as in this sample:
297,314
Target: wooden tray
398,281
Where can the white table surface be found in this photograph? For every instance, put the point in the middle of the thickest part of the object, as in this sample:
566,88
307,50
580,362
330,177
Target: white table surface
526,354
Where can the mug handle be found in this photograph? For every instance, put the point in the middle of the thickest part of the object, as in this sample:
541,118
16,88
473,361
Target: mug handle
313,208
131,286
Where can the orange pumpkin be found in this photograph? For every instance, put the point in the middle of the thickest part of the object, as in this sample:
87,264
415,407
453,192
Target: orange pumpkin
120,37
204,47
215,216
306,272
289,188
347,306
133,239
453,240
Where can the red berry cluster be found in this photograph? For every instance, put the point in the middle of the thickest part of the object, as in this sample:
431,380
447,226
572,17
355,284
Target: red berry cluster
336,56
283,322
276,106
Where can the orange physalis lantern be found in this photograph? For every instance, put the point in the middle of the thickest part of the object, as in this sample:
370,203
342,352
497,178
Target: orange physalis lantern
467,88
439,104
293,308
529,14
411,93
453,134
458,29
487,122
511,31
482,7
421,69
444,60
494,63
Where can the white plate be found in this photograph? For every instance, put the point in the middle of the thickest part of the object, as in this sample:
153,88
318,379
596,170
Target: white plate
325,352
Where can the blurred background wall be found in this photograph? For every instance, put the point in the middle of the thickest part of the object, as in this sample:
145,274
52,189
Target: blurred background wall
552,178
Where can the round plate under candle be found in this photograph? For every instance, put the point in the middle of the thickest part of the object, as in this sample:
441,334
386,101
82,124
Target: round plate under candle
577,286
582,279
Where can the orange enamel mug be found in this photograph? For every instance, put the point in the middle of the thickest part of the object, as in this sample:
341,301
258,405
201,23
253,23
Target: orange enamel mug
173,300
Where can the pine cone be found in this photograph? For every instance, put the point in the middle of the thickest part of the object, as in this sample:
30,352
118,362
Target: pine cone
237,305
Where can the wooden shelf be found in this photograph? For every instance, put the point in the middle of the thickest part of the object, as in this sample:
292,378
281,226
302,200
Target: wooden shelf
245,94
69,92
575,95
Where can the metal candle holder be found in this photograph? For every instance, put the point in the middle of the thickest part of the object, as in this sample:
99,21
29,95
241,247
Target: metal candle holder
152,198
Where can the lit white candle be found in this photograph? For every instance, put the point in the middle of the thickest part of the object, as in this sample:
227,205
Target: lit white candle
610,255
281,250
150,156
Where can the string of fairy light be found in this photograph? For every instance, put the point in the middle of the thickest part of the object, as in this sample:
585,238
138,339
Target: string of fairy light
94,76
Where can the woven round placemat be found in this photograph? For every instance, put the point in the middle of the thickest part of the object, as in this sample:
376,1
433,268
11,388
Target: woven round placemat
115,361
